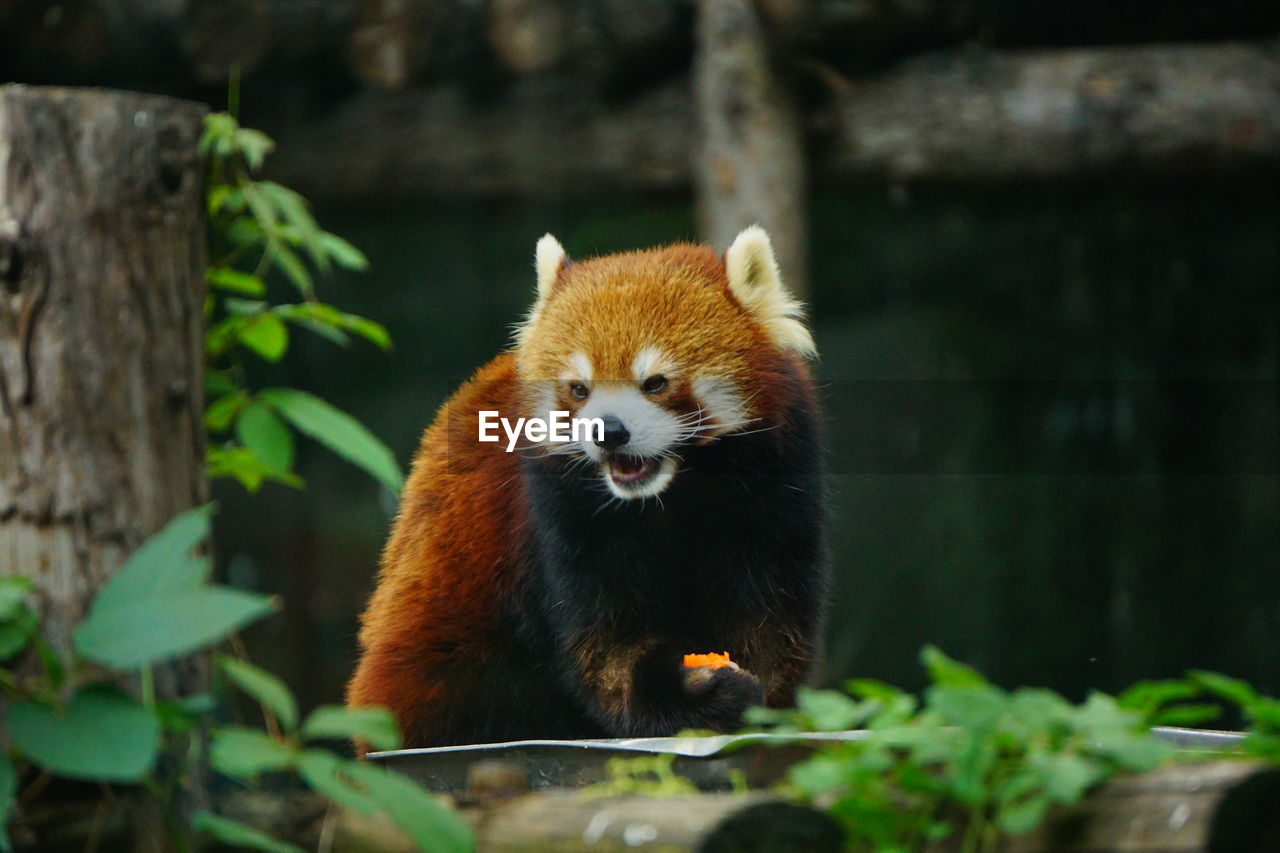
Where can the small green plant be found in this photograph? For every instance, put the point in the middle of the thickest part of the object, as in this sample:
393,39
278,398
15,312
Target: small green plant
71,719
246,754
647,775
258,227
972,758
1169,703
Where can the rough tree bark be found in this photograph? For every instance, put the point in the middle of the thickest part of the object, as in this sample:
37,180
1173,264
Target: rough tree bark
1064,113
750,164
102,256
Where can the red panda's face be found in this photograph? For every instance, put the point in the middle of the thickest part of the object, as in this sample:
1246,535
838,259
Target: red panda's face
663,347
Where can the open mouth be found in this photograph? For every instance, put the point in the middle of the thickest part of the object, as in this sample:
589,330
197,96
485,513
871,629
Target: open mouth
628,470
630,476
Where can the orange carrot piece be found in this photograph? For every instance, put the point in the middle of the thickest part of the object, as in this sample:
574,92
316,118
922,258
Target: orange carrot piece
710,660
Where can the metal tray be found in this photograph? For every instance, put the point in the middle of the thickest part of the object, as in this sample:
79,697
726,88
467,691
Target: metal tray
705,761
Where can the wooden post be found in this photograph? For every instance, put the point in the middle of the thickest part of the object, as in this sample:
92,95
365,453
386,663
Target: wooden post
102,257
750,165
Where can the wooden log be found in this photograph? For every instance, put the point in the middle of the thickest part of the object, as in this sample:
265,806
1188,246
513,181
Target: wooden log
102,256
1187,808
1060,114
864,34
544,137
1166,111
750,166
1206,807
565,821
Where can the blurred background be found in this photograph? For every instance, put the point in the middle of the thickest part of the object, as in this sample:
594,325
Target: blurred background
1040,242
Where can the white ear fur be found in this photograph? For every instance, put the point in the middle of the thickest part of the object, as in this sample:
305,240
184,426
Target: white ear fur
548,256
756,284
548,259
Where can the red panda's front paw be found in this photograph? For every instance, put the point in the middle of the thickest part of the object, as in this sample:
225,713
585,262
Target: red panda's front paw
721,695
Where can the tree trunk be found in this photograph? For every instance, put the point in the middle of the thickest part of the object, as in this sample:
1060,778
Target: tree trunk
102,256
750,162
1064,114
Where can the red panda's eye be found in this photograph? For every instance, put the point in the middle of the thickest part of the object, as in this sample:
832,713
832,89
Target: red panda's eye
578,390
654,384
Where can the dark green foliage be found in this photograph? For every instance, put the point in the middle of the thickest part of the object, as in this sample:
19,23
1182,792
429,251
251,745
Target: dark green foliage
267,227
973,758
72,721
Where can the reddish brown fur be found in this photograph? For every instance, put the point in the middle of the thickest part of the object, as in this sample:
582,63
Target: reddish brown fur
450,559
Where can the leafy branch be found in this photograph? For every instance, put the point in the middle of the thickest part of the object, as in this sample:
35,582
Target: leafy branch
257,228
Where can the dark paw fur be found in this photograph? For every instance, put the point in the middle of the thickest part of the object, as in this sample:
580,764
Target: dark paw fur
720,696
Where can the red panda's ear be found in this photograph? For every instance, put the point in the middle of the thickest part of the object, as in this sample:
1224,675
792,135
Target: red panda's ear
755,282
549,258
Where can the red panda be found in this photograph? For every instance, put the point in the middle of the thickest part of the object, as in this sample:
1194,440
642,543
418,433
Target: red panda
551,592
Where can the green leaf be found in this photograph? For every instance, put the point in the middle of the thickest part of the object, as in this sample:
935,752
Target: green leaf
327,774
1231,689
1068,776
243,464
317,315
343,253
261,431
375,726
219,339
165,624
218,127
245,753
245,307
264,212
293,208
219,415
17,631
1191,715
324,330
290,264
1022,817
239,462
829,710
163,563
238,834
1265,714
946,672
54,669
235,281
338,431
264,687
101,735
1149,699
224,197
431,825
254,145
218,383
13,594
821,775
174,718
970,708
266,335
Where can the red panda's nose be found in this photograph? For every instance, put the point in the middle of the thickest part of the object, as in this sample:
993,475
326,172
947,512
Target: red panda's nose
615,433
